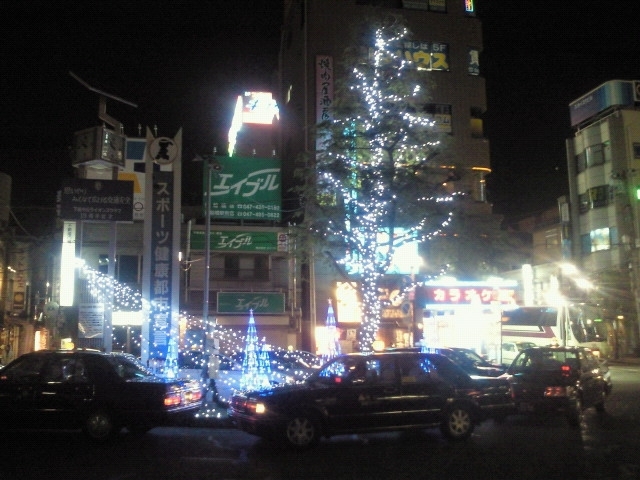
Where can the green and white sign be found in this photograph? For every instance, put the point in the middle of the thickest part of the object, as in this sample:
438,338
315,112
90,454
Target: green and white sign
244,188
240,241
242,302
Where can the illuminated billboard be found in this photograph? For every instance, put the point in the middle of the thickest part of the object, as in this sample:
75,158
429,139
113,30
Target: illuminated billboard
609,94
245,188
259,107
252,108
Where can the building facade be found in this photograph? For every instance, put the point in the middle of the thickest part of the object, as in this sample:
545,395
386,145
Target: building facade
603,158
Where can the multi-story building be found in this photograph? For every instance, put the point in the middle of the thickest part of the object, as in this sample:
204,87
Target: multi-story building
447,34
249,263
603,159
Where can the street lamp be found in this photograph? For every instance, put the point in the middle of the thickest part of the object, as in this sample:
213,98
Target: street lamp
211,166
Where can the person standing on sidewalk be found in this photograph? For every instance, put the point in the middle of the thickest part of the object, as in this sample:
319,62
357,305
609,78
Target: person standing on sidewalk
210,373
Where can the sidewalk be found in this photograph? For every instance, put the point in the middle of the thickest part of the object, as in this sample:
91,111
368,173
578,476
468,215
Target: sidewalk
212,415
625,360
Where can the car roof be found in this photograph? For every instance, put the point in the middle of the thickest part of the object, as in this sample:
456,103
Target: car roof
84,351
554,348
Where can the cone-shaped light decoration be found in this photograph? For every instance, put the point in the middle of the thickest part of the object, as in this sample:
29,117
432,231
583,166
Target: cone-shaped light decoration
253,374
333,346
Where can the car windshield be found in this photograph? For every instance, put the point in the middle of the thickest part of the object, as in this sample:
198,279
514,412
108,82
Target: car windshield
467,358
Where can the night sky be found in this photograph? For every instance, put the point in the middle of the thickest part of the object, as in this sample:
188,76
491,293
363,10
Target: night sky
184,62
538,57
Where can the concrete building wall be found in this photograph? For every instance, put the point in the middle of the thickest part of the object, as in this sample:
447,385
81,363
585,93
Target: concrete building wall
604,173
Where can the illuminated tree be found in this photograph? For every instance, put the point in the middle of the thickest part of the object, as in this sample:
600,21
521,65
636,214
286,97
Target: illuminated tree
378,183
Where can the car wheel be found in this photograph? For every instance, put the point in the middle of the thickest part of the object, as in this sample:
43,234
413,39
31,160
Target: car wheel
100,426
302,431
575,415
457,423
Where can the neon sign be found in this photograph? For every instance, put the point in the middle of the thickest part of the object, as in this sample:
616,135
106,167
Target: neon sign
466,295
468,6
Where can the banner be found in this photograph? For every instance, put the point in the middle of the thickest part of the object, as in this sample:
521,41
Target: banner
240,241
243,302
244,188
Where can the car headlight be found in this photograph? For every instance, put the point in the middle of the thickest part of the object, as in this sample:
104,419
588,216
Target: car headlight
256,407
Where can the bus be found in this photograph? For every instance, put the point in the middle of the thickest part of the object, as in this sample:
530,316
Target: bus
573,325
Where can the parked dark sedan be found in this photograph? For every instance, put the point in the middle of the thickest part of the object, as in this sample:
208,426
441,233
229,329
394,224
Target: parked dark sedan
356,393
471,362
465,358
97,392
563,380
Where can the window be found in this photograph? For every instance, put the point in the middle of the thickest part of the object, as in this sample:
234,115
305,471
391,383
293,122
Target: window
551,239
127,269
248,267
583,202
473,64
585,243
261,267
595,197
431,5
26,369
592,156
599,196
440,114
600,239
231,266
581,162
477,130
595,155
380,3
606,151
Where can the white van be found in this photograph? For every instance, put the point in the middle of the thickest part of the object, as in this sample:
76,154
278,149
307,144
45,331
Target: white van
511,349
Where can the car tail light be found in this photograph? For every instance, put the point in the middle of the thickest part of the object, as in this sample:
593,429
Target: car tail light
171,399
193,396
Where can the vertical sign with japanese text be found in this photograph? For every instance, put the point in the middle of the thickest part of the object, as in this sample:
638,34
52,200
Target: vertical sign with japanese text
324,92
161,279
161,265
